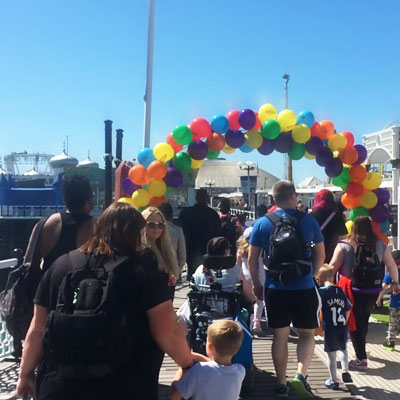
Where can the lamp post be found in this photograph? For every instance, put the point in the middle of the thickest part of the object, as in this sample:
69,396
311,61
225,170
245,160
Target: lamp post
209,183
288,160
247,166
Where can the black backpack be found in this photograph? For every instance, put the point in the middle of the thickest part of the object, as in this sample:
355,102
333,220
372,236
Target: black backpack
368,271
286,256
87,336
16,300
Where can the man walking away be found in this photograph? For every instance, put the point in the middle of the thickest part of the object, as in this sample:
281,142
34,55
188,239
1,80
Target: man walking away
286,237
200,223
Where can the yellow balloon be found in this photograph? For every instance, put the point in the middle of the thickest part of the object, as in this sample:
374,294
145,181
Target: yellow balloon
266,112
287,120
126,200
157,187
309,156
228,150
253,139
337,142
196,164
301,133
163,152
369,200
349,226
372,181
140,198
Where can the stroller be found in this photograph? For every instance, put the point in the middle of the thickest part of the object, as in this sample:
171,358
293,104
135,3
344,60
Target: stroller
212,302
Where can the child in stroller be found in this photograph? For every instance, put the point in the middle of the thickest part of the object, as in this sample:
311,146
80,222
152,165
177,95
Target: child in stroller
218,290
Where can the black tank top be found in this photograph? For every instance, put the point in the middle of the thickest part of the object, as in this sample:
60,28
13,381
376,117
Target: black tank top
70,225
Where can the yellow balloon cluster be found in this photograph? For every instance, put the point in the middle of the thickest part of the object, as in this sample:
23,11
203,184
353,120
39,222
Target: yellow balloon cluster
196,164
266,112
228,150
349,226
157,187
163,152
372,181
301,133
287,120
337,142
140,198
253,139
369,200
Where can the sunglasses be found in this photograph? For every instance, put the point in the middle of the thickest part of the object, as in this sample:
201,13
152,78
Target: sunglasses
154,225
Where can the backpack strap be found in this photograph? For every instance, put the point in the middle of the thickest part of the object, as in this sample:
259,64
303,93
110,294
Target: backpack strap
273,218
326,222
33,240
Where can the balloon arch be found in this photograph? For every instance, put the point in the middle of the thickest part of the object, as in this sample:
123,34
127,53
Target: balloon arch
160,169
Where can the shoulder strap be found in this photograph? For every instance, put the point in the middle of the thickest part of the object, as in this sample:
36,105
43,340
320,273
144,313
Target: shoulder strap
273,218
33,240
81,260
326,222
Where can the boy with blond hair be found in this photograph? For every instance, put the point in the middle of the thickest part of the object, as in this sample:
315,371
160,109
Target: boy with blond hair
335,312
215,378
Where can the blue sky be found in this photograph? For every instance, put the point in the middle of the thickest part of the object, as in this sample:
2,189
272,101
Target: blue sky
68,66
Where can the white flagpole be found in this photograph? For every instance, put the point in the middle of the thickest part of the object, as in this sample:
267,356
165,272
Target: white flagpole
149,76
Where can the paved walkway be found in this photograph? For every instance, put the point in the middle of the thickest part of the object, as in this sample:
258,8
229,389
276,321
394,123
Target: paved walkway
380,382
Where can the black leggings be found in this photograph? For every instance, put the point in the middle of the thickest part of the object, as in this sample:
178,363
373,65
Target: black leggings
362,308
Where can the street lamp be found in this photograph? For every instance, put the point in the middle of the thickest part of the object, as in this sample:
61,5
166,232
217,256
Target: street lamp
209,183
288,160
247,166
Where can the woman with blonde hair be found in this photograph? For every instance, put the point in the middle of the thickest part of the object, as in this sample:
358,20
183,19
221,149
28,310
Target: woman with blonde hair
157,238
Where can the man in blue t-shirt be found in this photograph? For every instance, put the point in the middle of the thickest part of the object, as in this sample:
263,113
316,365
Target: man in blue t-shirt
293,301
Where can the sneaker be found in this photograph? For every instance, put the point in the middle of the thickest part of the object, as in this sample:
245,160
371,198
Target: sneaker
256,328
358,364
388,345
281,391
300,384
331,385
346,377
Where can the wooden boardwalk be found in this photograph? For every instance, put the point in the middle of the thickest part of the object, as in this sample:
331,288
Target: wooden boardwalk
265,376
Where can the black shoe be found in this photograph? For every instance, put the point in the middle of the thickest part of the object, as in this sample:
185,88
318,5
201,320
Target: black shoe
388,345
281,391
346,377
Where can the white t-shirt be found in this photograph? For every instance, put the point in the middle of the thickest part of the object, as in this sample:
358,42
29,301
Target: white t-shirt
230,277
211,381
246,270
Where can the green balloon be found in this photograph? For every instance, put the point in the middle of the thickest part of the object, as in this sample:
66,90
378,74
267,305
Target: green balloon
344,175
356,212
338,181
182,161
168,190
297,152
212,155
182,135
270,129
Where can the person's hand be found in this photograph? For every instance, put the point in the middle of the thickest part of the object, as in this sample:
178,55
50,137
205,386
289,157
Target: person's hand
378,302
26,386
172,280
396,289
258,290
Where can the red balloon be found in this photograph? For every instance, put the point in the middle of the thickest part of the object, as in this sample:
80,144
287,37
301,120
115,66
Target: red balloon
348,155
354,189
350,138
157,201
176,146
376,227
258,122
157,170
233,118
139,175
357,173
316,130
216,141
200,128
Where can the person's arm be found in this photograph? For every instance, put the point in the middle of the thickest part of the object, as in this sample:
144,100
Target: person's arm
392,269
238,259
337,259
254,265
347,315
181,250
168,334
247,289
319,256
32,353
381,293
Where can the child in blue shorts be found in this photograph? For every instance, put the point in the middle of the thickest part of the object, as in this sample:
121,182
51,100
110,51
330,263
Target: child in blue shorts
394,307
335,312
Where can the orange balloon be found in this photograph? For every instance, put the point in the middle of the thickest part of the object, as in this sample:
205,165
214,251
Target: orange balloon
139,175
176,146
383,238
157,170
216,141
157,201
357,173
348,155
350,202
328,129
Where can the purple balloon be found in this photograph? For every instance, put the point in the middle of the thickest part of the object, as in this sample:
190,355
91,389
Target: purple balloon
383,195
267,147
128,186
284,142
234,138
323,156
198,150
380,213
334,167
362,153
314,145
247,119
174,178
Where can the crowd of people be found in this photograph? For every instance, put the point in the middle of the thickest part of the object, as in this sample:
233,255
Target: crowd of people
103,314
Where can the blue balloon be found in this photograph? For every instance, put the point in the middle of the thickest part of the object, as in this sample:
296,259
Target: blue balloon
245,149
146,156
307,118
220,124
385,226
